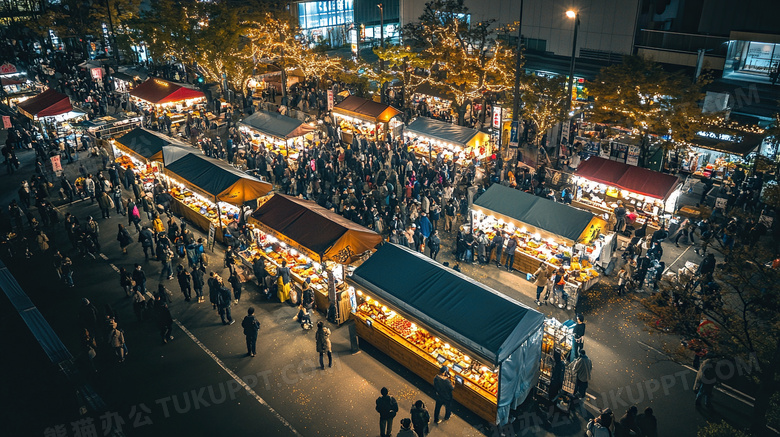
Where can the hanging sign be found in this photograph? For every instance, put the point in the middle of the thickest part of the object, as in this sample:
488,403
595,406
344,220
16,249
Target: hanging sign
7,68
56,165
212,234
330,100
7,122
514,133
496,117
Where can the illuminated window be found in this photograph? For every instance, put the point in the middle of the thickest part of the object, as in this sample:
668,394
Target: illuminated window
312,15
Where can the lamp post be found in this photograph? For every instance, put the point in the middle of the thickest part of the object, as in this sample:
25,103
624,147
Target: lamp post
516,100
381,33
576,17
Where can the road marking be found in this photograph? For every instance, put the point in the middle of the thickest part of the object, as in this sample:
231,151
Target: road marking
723,389
102,255
116,269
236,378
677,259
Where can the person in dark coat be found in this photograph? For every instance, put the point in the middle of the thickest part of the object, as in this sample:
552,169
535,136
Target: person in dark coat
647,423
197,282
223,304
627,425
140,278
164,321
511,245
707,266
88,315
443,386
557,374
146,237
184,279
235,282
123,236
387,407
258,268
214,283
420,418
251,327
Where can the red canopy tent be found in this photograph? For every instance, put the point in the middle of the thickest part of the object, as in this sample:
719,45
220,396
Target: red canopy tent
628,177
159,91
47,104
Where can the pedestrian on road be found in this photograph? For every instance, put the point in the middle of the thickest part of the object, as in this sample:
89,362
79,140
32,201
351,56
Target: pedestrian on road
251,327
647,423
322,337
90,347
67,271
164,321
116,339
125,281
105,203
146,237
705,383
434,244
139,303
602,425
627,425
582,368
197,282
443,386
540,280
224,300
123,237
387,407
406,428
579,336
235,282
184,278
163,294
88,316
420,418
166,256
214,283
140,278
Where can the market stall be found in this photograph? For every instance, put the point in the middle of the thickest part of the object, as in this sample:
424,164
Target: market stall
428,138
365,117
716,156
52,109
432,101
276,132
313,240
142,150
208,191
650,195
163,97
557,234
111,125
425,316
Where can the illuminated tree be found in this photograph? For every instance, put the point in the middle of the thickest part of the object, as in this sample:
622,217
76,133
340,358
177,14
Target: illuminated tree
465,58
544,101
404,64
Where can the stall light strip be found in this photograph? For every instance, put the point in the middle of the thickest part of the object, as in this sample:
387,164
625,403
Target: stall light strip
237,378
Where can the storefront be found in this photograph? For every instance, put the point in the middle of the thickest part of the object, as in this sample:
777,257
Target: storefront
428,138
366,118
647,195
208,191
277,133
546,231
161,96
317,244
426,316
433,102
753,55
716,156
123,82
53,110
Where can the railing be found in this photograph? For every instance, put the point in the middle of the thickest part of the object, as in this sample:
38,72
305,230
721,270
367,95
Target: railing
682,42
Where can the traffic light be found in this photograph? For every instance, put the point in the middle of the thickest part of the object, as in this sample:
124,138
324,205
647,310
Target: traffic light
201,79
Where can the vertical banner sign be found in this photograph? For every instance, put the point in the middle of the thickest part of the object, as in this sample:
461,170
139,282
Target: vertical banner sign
330,100
496,117
632,158
496,124
514,132
212,234
565,128
56,165
7,122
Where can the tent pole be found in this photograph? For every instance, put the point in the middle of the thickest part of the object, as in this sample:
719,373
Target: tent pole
219,215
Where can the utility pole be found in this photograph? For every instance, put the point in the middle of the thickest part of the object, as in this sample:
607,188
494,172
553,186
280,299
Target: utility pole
113,35
516,99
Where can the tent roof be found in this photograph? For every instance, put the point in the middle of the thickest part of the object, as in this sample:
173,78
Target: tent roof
555,218
6,81
218,179
366,109
277,125
448,132
628,177
325,234
145,143
157,91
467,312
747,143
175,151
46,104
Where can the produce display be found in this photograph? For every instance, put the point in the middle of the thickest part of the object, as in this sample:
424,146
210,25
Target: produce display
646,208
148,171
364,129
274,251
472,371
259,140
553,253
201,205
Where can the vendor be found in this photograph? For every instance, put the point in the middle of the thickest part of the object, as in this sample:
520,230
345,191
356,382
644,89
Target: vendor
620,216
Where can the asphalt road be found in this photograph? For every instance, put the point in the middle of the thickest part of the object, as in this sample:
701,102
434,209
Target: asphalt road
202,380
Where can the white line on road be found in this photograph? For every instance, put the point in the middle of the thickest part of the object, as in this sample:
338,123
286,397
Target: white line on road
116,269
236,378
677,259
102,255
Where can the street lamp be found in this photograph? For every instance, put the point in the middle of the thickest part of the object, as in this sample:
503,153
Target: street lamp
381,33
573,15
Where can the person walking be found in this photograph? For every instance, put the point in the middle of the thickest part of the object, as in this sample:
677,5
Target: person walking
214,283
116,339
139,303
705,383
166,256
511,245
146,237
582,368
627,425
406,428
434,244
105,203
579,336
235,282
223,305
420,418
443,387
387,407
647,423
540,281
322,337
140,278
251,327
164,321
123,237
185,280
126,281
197,282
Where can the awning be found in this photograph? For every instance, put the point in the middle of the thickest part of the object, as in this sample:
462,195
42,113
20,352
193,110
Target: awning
218,179
542,214
158,91
147,144
628,177
745,144
325,235
366,110
276,125
7,81
46,104
447,132
472,314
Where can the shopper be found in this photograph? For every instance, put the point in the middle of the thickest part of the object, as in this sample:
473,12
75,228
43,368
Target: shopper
579,336
443,387
540,281
322,337
235,282
511,245
185,280
251,327
116,339
627,425
582,368
434,244
124,238
387,407
420,418
406,428
223,304
164,321
648,423
197,282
